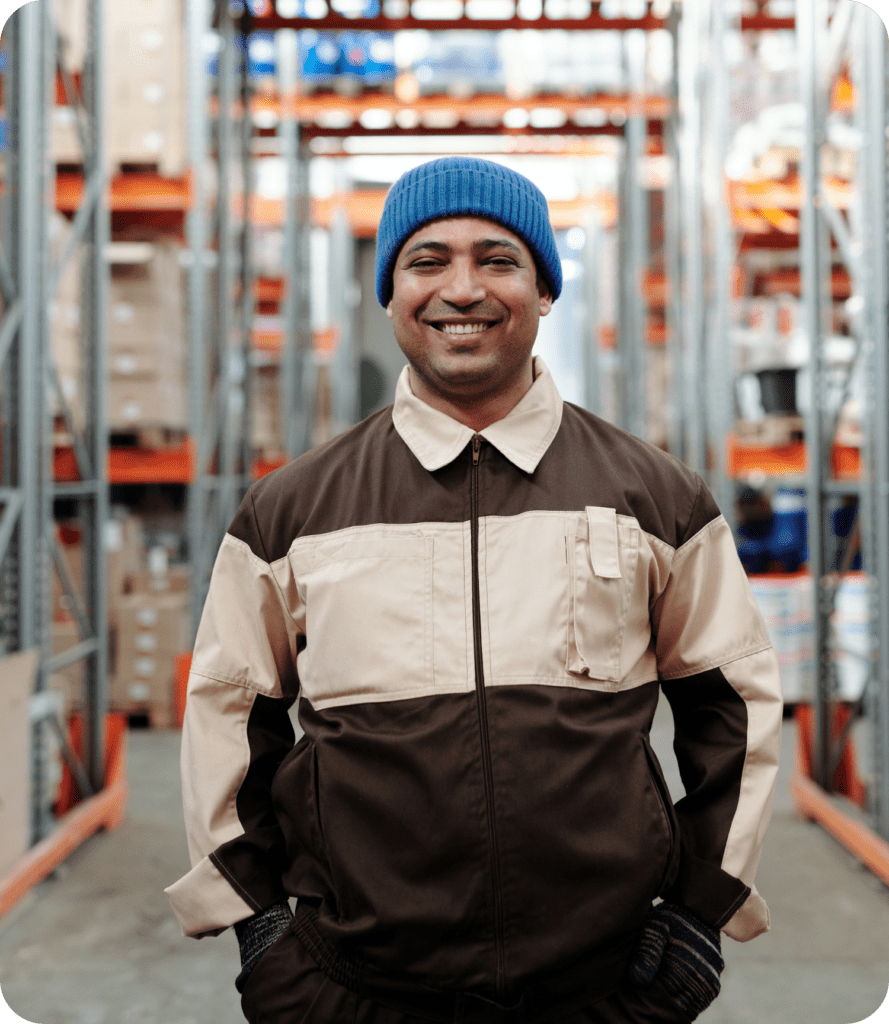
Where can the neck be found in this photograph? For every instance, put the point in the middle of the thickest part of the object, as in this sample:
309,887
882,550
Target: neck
476,412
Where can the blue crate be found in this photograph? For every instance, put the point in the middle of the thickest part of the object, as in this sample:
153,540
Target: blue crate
369,56
319,55
261,54
467,57
357,8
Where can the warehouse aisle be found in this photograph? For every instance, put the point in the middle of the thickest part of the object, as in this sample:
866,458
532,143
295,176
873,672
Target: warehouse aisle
98,944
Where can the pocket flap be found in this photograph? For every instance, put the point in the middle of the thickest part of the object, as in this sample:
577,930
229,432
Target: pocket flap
603,541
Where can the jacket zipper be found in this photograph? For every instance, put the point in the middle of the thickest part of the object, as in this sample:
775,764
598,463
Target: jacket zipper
481,697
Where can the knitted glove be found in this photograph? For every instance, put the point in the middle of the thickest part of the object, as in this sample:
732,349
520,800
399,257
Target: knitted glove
257,933
683,953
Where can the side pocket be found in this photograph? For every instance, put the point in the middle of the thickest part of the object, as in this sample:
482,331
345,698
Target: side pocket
670,821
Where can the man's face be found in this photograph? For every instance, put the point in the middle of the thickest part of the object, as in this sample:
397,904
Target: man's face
465,307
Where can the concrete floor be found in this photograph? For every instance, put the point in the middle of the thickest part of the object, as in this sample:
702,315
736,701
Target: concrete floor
97,943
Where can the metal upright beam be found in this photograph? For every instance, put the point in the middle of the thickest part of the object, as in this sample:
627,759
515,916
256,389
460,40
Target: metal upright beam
27,537
241,371
811,22
634,235
27,234
720,363
93,502
344,365
692,394
29,143
295,395
673,251
591,355
224,327
877,427
197,28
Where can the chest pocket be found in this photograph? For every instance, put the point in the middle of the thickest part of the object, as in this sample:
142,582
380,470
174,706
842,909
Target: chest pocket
368,620
603,553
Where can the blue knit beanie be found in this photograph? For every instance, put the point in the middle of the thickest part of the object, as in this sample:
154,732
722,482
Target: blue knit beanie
455,186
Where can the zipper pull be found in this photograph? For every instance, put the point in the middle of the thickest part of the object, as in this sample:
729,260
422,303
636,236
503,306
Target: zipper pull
476,448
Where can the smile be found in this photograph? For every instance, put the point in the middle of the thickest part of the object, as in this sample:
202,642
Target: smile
476,328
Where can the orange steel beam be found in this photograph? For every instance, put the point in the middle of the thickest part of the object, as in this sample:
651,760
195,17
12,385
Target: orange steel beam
768,195
136,191
134,465
267,18
789,459
868,847
104,810
311,107
365,207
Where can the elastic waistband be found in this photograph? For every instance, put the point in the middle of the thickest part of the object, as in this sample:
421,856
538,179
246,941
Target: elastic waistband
548,998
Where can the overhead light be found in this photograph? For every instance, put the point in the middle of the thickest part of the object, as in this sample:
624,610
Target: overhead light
407,118
517,117
547,117
376,119
575,239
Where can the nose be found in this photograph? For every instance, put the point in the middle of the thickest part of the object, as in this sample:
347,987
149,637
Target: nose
462,284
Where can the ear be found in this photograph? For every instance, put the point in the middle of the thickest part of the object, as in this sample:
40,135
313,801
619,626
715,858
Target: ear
389,309
546,299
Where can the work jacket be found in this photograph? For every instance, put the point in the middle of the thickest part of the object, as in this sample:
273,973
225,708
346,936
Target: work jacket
474,629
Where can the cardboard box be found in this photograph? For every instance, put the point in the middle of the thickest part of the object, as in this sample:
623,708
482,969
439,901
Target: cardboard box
144,680
146,323
146,403
61,603
174,580
145,84
153,623
17,675
123,560
126,362
152,629
71,695
265,429
70,18
69,680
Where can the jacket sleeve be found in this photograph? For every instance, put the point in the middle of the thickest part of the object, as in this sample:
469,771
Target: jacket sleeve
236,732
720,675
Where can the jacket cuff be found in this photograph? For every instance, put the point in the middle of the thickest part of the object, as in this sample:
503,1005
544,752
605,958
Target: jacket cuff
750,920
708,891
205,902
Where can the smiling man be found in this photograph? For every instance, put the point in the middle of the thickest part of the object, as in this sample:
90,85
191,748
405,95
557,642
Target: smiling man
476,597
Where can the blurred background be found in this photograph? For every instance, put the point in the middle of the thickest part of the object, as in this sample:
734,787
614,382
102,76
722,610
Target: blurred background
190,194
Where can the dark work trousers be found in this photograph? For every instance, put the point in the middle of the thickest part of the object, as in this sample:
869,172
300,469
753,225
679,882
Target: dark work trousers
288,987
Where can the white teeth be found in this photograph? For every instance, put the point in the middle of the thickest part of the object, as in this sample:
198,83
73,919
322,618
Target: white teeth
464,328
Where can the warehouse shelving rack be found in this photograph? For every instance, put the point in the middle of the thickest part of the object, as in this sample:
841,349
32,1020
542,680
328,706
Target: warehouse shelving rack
826,220
220,288
29,549
861,242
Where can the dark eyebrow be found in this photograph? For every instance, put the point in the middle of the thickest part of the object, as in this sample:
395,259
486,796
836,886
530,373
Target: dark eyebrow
427,244
485,244
497,243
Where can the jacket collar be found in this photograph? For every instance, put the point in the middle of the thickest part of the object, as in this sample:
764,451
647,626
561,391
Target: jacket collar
522,436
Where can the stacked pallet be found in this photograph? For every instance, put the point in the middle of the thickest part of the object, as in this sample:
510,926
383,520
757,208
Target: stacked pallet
149,623
145,110
146,338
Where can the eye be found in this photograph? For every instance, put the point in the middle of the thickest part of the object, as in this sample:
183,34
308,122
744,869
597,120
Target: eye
425,263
